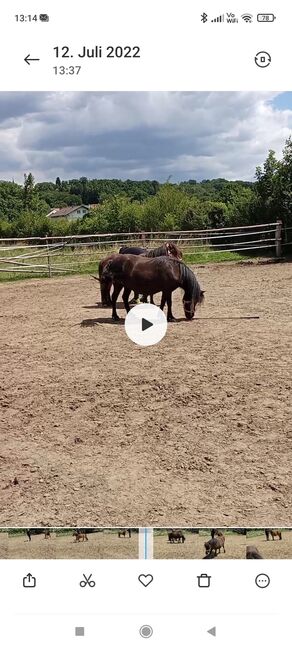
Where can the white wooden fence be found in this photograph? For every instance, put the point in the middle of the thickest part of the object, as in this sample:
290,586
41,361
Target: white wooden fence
56,255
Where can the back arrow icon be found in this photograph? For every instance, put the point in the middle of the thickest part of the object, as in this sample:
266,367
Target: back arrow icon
28,59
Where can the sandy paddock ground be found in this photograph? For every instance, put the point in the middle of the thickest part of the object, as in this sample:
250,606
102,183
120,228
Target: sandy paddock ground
272,549
193,547
194,431
100,545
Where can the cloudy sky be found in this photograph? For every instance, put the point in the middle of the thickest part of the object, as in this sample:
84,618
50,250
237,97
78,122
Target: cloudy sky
140,135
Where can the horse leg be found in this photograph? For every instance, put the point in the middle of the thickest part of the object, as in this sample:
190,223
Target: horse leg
115,295
163,300
105,294
135,299
151,299
126,294
170,317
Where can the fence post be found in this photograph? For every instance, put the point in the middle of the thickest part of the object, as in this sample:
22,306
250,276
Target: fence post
278,238
48,257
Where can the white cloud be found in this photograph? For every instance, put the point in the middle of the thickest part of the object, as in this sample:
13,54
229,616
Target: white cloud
139,135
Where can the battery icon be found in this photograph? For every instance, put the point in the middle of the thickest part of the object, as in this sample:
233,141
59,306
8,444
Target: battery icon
266,18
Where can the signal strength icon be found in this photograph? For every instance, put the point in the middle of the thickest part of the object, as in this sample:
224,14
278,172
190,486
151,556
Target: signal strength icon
219,19
247,18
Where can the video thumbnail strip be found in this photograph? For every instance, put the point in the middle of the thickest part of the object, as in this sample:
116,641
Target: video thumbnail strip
145,543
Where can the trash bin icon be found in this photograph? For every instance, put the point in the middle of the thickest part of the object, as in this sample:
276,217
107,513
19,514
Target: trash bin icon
204,580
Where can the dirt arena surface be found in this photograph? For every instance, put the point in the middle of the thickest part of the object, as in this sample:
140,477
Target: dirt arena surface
272,549
100,545
193,547
191,432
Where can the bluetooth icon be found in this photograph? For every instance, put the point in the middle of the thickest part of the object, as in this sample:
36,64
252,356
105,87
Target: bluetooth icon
204,18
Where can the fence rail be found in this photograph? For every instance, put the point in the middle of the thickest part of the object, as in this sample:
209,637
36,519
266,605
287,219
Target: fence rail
56,255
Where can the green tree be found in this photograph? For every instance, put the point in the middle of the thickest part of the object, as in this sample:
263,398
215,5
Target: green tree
28,188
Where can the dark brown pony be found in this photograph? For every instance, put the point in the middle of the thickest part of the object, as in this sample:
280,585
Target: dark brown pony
273,534
168,249
213,547
252,552
80,536
176,536
46,532
215,532
105,284
150,276
123,533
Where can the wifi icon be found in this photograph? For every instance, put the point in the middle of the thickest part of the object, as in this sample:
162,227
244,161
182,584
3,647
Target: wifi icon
247,18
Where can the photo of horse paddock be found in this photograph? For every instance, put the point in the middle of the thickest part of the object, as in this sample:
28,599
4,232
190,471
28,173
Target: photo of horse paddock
199,544
72,543
269,543
179,198
3,544
117,433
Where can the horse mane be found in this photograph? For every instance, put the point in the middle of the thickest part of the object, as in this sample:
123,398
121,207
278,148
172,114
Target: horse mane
162,250
156,252
190,283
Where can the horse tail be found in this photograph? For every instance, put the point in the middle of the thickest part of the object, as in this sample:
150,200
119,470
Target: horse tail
107,271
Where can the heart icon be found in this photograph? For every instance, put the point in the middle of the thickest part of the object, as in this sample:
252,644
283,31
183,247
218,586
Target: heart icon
145,580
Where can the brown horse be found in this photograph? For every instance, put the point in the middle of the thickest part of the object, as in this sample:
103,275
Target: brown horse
213,547
150,276
80,536
105,284
46,532
123,533
215,532
168,249
252,552
273,534
176,536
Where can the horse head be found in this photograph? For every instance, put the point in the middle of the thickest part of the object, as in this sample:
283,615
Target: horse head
190,305
173,250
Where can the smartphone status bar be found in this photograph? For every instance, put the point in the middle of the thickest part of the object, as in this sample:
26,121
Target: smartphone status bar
123,46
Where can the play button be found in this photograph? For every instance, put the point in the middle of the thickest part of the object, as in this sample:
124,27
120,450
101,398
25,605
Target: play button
145,324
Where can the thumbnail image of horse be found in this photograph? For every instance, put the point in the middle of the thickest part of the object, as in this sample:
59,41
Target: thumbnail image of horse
168,249
214,545
253,553
70,543
150,276
123,533
176,536
273,534
33,532
80,536
215,532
